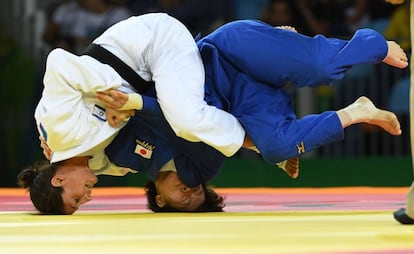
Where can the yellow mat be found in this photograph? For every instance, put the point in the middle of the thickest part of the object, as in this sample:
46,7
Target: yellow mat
312,231
244,232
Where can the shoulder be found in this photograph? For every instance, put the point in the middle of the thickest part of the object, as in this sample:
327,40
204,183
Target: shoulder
58,55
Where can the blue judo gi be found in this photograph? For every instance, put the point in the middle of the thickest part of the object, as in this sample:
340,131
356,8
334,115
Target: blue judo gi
247,63
147,142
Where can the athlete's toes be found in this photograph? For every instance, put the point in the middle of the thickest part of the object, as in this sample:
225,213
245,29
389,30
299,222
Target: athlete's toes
292,167
394,124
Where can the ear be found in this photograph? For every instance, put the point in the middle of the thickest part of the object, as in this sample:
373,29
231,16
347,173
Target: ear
57,180
159,200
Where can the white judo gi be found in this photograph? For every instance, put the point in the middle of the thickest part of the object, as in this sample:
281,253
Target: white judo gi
158,48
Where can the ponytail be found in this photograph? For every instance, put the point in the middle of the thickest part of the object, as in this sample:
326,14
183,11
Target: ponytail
37,180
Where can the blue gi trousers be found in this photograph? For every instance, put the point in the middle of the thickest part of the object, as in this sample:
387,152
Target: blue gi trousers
248,62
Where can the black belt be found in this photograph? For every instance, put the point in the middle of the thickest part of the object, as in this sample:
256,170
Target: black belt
126,72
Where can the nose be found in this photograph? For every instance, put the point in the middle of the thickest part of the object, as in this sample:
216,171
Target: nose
95,179
87,197
88,194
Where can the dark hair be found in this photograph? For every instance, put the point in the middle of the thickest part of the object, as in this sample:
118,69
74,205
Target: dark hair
213,202
36,179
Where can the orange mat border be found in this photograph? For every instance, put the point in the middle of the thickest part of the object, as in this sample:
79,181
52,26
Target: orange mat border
108,191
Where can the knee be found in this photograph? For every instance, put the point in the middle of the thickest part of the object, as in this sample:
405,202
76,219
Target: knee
282,149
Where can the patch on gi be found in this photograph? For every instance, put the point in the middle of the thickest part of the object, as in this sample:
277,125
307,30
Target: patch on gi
99,112
144,149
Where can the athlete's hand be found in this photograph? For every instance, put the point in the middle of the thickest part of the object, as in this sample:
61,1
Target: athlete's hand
396,56
47,152
114,117
112,98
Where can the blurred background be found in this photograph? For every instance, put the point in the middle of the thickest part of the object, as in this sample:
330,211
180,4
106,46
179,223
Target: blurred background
29,29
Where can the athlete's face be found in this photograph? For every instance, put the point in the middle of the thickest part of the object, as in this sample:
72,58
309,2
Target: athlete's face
77,181
174,193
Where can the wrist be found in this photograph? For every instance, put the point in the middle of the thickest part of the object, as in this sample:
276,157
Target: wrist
134,102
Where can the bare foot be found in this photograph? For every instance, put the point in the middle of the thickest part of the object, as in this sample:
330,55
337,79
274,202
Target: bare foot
290,166
396,56
375,116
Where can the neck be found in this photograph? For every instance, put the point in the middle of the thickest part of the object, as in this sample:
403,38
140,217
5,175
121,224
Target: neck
83,160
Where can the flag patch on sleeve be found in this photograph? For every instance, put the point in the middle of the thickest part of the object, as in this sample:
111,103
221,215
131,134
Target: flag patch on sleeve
99,112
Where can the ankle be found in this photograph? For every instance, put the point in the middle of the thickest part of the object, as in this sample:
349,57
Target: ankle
344,117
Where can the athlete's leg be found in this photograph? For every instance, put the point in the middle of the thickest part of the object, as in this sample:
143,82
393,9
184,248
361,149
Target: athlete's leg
292,138
274,55
406,215
410,195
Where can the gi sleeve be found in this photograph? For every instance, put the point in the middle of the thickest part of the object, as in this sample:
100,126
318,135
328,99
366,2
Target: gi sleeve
69,82
160,48
179,80
150,106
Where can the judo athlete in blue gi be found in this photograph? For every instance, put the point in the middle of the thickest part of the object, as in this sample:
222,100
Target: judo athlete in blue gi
247,63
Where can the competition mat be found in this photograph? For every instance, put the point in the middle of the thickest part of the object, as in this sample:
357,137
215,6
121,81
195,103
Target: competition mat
356,220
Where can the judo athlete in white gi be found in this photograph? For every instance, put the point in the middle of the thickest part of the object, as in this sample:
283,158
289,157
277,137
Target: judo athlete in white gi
245,82
158,48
